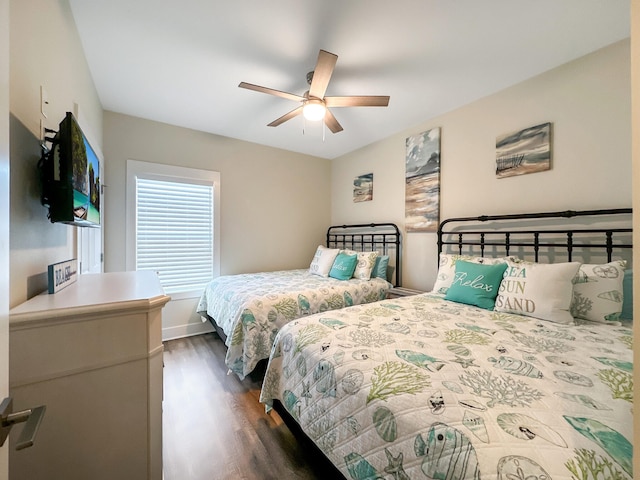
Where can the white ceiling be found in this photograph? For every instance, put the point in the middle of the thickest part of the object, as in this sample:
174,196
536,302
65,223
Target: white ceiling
180,62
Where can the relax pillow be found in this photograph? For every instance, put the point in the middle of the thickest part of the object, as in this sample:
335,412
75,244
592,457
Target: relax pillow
380,267
598,292
323,261
538,290
447,268
343,266
476,284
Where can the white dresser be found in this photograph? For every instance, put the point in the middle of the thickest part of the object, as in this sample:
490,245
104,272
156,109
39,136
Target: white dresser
92,353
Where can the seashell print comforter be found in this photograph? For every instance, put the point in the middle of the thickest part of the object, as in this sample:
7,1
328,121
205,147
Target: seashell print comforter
251,308
422,388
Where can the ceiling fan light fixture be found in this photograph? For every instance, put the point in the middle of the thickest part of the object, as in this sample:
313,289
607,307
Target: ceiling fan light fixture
314,106
314,109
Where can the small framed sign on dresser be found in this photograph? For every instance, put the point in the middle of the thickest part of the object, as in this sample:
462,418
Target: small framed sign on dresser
62,274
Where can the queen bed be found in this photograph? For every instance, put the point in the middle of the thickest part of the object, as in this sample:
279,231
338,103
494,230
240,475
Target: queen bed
247,310
537,385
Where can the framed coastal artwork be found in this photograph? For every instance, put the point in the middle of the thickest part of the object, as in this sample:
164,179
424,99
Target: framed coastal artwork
524,151
422,182
363,188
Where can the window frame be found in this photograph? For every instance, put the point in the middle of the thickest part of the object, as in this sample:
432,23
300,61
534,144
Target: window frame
169,173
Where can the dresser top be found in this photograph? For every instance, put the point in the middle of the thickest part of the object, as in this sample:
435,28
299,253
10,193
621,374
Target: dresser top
94,293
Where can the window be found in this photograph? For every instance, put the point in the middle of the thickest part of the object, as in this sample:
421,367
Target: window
172,225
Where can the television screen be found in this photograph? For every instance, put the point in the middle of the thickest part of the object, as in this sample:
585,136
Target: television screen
71,177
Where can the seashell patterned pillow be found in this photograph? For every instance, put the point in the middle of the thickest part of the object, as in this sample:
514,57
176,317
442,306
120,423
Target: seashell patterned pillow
598,292
366,262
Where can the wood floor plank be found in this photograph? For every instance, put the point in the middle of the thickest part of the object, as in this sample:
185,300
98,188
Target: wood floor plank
216,429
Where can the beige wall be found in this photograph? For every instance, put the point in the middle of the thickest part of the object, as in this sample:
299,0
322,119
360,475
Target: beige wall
588,103
275,205
44,50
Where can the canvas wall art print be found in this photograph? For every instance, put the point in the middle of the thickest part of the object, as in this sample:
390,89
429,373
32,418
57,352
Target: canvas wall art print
422,182
363,188
524,151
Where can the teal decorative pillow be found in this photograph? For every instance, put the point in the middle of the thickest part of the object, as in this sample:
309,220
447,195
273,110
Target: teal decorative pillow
598,292
380,267
476,284
343,266
447,267
627,294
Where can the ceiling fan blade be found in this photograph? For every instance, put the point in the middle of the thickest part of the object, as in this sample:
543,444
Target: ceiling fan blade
357,101
322,73
287,116
331,122
271,91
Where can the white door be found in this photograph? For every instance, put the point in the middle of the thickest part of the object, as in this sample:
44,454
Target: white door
4,220
89,250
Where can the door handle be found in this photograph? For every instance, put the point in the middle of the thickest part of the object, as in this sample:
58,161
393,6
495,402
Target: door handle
32,417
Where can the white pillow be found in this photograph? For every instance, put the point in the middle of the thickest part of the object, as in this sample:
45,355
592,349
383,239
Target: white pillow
538,290
323,261
366,262
597,292
447,268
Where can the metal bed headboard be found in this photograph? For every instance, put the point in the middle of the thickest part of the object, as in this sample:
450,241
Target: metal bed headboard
564,237
380,237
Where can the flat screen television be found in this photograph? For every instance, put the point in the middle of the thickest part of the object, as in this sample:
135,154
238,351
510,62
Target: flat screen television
70,173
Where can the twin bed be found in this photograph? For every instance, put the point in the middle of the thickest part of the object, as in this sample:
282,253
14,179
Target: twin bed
537,386
248,310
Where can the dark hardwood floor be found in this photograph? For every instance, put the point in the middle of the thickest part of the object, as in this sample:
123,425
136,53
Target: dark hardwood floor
215,427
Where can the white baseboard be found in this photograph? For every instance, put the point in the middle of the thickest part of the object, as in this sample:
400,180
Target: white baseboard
188,330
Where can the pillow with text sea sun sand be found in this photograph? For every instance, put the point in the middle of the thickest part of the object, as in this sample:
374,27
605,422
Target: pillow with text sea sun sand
538,290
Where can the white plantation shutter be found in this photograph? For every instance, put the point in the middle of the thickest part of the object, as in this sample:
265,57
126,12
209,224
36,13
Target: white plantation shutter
175,232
